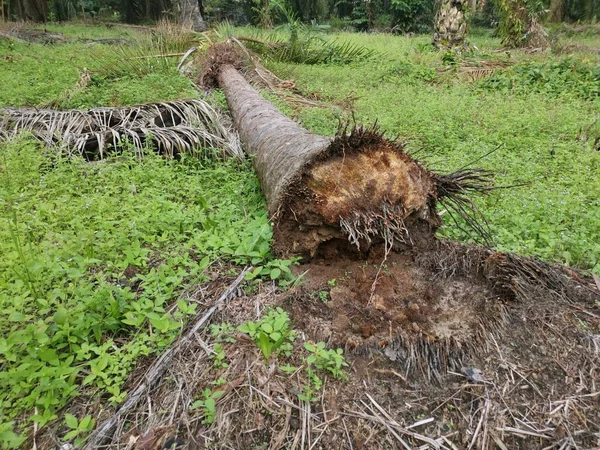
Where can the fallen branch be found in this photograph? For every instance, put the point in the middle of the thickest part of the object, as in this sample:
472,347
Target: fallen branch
159,367
174,127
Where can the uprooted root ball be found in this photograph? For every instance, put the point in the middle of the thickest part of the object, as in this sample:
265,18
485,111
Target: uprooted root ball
362,188
430,310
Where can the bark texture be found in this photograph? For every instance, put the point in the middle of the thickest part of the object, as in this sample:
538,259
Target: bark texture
557,11
349,191
450,24
518,28
191,15
34,10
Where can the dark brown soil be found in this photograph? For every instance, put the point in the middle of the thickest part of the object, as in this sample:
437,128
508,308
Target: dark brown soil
394,305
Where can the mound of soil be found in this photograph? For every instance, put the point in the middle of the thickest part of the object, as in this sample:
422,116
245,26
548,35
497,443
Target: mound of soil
396,305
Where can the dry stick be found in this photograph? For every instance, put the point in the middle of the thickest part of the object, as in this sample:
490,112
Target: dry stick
159,367
184,57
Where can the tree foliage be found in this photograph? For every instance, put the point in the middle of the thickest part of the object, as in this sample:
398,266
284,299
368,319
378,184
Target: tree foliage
400,16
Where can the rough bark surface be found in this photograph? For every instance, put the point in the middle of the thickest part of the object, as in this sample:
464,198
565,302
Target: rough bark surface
191,15
35,10
557,11
357,188
450,24
280,147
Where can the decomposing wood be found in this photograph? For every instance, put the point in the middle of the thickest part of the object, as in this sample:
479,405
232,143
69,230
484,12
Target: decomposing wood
154,374
33,36
26,35
107,41
164,55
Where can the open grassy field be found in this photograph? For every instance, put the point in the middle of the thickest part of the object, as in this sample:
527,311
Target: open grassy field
97,258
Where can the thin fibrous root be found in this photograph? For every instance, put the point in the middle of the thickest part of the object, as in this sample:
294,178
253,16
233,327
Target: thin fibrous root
387,223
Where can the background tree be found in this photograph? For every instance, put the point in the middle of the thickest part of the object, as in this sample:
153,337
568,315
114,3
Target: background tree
192,15
450,24
134,11
34,10
518,25
557,11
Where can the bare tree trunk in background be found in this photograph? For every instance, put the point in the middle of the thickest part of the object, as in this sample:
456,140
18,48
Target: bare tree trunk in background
473,6
518,27
592,9
35,10
322,193
191,15
557,11
370,14
450,24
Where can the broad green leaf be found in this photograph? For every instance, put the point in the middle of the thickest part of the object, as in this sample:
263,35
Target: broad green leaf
275,273
71,421
49,355
267,328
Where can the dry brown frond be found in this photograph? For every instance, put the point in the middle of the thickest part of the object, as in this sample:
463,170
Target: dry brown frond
182,126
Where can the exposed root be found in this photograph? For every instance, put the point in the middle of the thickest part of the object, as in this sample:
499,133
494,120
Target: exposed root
386,222
455,192
363,188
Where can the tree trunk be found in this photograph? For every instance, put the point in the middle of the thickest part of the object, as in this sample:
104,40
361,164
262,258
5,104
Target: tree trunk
35,10
518,27
450,24
557,11
323,192
128,11
191,16
591,9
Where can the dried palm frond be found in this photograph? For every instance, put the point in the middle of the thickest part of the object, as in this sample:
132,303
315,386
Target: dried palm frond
476,73
174,127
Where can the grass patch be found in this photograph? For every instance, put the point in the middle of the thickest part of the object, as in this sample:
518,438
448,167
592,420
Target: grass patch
95,258
35,75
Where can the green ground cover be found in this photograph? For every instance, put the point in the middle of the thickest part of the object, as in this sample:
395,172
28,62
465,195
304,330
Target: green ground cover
94,259
36,75
96,256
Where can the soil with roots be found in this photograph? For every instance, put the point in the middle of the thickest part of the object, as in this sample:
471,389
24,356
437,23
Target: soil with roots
451,347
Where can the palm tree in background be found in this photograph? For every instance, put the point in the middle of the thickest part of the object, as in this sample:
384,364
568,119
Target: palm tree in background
450,27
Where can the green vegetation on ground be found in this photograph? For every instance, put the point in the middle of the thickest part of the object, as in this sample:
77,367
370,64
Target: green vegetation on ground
96,256
36,75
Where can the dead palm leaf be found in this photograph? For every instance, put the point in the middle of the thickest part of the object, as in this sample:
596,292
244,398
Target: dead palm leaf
174,127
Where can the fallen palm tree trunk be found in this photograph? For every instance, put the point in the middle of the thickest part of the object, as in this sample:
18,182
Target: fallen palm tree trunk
322,192
173,127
